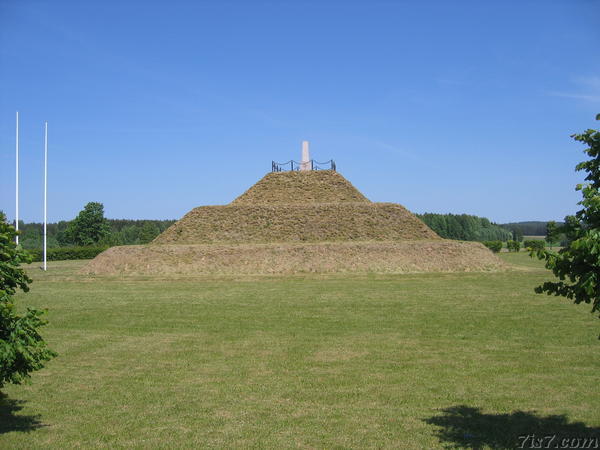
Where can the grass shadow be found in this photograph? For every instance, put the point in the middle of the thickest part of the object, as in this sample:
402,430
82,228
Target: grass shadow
467,427
10,421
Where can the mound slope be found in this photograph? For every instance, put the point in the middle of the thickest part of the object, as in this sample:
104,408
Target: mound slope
319,186
249,259
296,222
315,222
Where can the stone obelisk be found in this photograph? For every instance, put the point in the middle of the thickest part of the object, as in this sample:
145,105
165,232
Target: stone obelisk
305,163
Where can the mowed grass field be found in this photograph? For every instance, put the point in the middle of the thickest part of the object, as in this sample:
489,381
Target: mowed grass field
395,361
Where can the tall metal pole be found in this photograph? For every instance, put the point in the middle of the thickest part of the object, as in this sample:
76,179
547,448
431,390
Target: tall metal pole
45,187
17,182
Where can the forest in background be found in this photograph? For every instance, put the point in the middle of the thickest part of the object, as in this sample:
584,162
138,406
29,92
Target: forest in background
465,227
132,232
121,232
531,228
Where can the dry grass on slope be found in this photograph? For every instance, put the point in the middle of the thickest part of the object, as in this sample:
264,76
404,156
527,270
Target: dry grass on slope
296,223
346,257
319,186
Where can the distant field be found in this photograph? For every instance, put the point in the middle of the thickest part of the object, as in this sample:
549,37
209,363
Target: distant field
411,361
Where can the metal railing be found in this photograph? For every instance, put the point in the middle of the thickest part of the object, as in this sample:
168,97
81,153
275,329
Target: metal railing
292,165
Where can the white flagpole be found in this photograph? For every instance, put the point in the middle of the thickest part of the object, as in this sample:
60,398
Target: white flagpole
45,187
17,182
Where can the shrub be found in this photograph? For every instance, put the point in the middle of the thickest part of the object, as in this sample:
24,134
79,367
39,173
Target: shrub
66,253
494,246
513,246
22,348
534,244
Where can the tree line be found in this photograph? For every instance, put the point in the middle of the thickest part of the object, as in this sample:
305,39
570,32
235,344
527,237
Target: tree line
90,227
532,228
465,227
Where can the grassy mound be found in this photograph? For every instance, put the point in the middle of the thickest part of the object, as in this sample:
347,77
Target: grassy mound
248,259
319,186
296,223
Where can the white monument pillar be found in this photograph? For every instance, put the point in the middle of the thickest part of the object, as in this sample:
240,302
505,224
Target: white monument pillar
305,163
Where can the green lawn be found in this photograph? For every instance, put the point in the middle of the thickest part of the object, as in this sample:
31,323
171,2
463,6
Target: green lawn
412,361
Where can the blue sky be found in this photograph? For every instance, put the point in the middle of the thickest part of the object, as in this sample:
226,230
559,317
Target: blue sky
157,107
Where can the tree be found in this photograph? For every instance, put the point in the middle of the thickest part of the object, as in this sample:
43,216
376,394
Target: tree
148,232
513,246
552,233
517,234
577,265
89,227
22,348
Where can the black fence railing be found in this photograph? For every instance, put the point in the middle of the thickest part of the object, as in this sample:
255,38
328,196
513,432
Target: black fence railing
295,165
